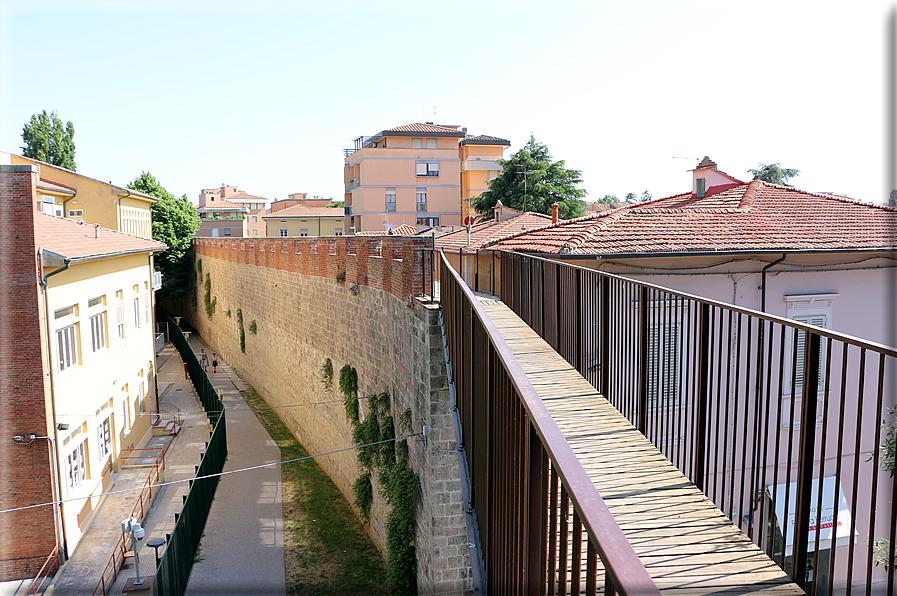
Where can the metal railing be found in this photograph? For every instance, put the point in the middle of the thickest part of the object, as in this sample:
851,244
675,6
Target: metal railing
176,563
721,391
47,570
168,413
541,522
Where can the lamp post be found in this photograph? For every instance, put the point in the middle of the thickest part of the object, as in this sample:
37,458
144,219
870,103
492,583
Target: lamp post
155,543
132,526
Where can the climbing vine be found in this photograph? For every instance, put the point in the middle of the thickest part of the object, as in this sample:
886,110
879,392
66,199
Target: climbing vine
210,302
253,328
242,333
327,374
397,481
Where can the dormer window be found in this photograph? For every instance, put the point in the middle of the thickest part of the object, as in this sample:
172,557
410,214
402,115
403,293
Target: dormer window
701,187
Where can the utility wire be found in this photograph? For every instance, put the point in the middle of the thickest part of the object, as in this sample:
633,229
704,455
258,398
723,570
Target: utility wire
277,463
205,413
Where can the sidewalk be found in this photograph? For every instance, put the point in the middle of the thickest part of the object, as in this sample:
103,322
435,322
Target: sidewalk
242,550
182,453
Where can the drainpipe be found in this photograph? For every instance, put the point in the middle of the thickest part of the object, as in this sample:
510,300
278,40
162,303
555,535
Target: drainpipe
119,208
763,281
57,479
65,203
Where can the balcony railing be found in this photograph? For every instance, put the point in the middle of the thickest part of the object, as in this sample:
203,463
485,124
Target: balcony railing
806,473
519,463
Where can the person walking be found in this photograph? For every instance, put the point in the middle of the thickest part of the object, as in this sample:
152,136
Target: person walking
214,362
204,360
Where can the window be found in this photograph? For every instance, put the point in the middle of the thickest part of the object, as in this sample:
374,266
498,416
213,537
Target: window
430,222
126,412
337,231
284,232
391,199
255,219
64,312
137,312
104,437
812,309
800,347
255,232
417,143
67,346
431,143
146,308
98,331
120,320
663,361
75,469
227,231
421,199
76,213
140,398
303,231
427,168
98,301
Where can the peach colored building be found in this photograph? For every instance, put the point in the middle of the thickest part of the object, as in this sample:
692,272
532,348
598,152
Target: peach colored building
299,198
231,204
417,174
300,220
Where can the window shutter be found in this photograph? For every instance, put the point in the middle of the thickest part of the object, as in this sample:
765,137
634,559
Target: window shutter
799,345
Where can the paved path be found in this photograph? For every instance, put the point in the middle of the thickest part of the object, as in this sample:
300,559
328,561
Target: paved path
242,550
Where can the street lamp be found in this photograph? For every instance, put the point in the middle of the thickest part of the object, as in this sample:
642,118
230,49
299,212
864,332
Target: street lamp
155,543
132,526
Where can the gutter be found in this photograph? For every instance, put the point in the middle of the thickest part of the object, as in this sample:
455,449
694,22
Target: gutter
51,258
763,280
120,197
708,253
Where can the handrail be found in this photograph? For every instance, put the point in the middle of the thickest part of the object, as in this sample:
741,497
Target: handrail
618,556
53,562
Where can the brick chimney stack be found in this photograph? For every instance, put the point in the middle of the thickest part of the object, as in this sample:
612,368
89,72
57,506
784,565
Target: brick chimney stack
554,212
497,210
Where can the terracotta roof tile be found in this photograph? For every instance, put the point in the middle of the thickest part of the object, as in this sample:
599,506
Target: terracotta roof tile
300,211
492,231
427,128
55,186
242,197
80,241
219,204
755,216
485,140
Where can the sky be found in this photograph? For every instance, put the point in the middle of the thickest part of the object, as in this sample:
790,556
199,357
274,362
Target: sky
265,95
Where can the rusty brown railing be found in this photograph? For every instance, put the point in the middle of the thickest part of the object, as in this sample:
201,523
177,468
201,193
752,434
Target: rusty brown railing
541,522
720,390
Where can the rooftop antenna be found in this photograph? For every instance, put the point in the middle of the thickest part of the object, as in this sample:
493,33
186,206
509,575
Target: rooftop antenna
693,158
433,112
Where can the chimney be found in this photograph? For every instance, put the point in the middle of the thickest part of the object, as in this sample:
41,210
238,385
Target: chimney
497,210
702,175
554,212
892,200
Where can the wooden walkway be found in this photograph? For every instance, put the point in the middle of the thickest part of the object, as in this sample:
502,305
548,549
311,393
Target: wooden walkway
685,542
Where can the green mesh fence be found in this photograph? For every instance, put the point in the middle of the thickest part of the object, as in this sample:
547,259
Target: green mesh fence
177,561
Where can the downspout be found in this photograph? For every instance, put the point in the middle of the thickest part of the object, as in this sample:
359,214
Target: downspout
65,204
57,479
763,281
119,208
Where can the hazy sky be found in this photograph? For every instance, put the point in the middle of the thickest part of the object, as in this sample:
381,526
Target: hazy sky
265,95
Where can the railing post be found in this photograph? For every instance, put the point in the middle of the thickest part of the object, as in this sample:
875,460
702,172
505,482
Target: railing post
702,397
536,514
805,458
643,359
604,331
577,326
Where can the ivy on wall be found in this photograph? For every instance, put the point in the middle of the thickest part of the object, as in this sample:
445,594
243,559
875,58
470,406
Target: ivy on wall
242,332
210,302
327,374
397,482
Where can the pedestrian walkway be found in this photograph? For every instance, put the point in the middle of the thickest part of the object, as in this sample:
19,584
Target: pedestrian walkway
242,550
183,452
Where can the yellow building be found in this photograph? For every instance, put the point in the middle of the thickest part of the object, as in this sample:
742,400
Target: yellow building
417,174
97,294
305,221
74,196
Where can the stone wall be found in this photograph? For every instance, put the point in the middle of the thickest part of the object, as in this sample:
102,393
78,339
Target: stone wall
356,301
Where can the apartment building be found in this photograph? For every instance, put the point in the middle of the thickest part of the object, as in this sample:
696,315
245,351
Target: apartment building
228,211
300,220
421,174
74,196
77,368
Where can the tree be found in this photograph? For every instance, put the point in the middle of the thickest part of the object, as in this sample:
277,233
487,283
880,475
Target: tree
774,173
174,223
646,196
632,197
47,139
608,199
531,182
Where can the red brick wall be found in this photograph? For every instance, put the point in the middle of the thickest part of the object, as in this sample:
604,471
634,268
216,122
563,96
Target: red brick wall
26,537
393,264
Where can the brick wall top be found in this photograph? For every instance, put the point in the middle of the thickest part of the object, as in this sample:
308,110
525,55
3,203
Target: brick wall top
398,265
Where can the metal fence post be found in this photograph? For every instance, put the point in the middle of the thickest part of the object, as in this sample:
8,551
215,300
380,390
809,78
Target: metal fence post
643,360
702,397
604,331
805,459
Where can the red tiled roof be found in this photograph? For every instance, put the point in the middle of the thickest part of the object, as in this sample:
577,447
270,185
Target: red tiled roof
755,216
80,241
485,140
300,211
220,204
428,128
242,197
402,230
45,184
490,231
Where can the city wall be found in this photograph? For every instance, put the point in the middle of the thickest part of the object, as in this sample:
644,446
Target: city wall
357,301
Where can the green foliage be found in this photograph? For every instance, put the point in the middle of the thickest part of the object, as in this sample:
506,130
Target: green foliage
608,199
227,314
888,447
348,386
242,333
327,374
253,328
774,173
174,223
530,177
48,140
210,302
398,482
631,197
199,266
646,196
